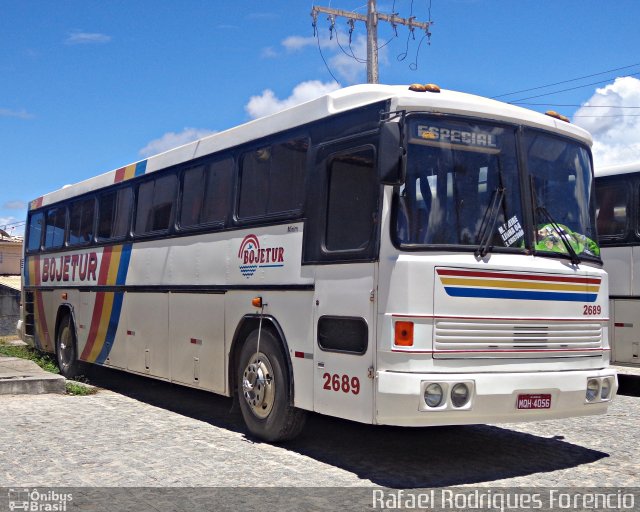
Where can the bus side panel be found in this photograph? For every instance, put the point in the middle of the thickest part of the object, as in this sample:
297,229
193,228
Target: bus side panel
293,313
626,331
196,338
147,323
621,259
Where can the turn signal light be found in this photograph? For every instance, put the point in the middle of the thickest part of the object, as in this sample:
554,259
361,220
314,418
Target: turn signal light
256,302
404,334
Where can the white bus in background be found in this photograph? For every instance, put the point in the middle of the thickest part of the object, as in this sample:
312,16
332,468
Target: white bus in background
618,199
386,254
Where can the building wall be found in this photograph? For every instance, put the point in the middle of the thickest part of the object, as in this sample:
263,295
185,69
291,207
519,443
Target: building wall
9,310
10,255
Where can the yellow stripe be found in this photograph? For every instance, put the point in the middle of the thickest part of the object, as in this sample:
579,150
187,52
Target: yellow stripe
101,335
32,271
129,171
497,283
114,264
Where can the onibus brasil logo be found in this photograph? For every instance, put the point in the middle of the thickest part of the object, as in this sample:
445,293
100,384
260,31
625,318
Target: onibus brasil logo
252,256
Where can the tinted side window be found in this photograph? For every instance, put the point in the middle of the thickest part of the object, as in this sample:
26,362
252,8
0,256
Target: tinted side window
192,195
272,179
56,220
206,194
34,236
611,212
352,200
114,210
156,204
218,192
81,214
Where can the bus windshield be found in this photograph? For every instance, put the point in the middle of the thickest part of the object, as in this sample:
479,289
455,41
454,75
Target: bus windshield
463,187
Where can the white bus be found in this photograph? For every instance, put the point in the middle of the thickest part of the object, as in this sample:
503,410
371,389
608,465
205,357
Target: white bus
386,254
617,192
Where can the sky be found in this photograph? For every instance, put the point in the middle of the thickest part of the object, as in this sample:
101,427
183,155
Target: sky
87,86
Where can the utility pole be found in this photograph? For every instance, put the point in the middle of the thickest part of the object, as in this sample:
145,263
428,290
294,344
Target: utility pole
371,21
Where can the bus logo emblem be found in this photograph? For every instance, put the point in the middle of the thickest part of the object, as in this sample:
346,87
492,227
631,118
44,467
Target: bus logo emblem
252,256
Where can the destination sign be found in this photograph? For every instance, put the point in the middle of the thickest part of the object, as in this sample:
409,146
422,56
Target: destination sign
476,138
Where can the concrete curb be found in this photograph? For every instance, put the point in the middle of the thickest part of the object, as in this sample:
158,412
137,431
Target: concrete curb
24,377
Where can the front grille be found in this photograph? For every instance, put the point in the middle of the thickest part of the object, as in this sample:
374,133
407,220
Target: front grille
516,338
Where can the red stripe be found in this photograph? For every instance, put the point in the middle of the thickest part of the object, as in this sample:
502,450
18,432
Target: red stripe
95,322
37,270
104,265
119,175
522,277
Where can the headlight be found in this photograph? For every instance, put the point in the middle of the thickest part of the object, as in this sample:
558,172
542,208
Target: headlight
593,387
605,392
459,395
433,395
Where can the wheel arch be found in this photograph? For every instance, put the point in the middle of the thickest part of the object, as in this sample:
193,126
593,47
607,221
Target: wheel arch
63,310
248,324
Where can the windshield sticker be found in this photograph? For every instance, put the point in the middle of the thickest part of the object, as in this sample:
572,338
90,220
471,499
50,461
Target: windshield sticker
475,138
511,231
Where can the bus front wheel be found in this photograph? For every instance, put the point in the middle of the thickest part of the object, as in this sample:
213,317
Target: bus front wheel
66,348
263,390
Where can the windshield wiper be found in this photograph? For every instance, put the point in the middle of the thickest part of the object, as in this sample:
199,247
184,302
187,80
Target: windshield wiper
575,259
490,217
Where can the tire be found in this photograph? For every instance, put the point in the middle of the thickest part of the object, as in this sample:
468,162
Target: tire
263,390
67,348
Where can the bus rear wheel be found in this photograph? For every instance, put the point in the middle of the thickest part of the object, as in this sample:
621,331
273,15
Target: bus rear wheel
263,390
66,348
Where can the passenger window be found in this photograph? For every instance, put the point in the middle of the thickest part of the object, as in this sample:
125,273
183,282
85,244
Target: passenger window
353,199
114,210
56,224
611,211
34,237
156,203
81,215
206,194
272,179
192,195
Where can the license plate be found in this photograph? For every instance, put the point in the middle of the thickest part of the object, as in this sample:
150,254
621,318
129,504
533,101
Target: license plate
534,401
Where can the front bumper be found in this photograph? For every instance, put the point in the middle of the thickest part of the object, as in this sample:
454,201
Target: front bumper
494,397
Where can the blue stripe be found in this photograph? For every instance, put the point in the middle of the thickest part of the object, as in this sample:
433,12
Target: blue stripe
488,293
121,279
113,327
141,168
125,257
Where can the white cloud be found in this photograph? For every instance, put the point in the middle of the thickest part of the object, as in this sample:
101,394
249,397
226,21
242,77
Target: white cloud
268,53
14,205
267,103
616,139
79,37
20,114
296,43
349,65
172,140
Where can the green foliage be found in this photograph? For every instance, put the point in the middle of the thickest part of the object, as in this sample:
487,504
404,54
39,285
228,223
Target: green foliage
76,388
44,361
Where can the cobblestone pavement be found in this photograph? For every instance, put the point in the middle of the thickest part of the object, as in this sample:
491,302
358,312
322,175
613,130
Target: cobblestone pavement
143,433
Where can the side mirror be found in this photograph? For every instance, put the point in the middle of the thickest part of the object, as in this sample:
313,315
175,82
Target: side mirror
391,157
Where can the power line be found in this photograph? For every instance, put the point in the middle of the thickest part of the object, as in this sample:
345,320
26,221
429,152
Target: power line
571,88
565,81
371,19
571,105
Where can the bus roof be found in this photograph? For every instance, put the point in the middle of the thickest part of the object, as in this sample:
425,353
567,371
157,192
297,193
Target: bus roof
336,102
612,170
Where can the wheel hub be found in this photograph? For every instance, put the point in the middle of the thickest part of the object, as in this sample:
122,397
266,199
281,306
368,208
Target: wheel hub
257,385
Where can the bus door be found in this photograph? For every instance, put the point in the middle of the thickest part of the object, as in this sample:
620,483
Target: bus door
342,242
